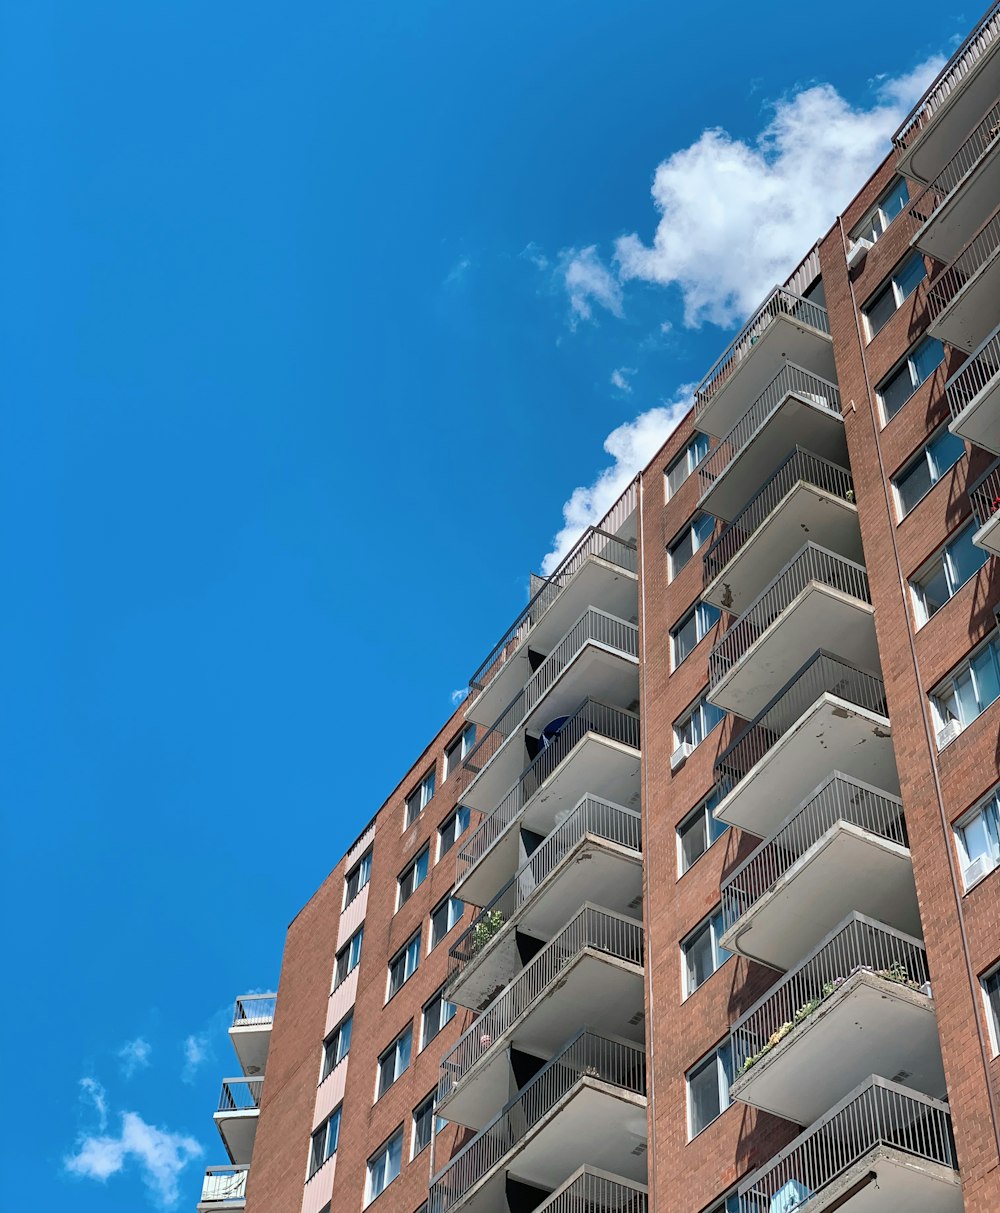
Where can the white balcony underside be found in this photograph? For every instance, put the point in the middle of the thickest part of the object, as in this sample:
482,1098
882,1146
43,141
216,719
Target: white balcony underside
988,535
598,583
238,1131
847,869
819,615
251,1042
831,735
902,1184
979,421
958,219
867,1026
782,340
797,421
610,989
804,513
972,313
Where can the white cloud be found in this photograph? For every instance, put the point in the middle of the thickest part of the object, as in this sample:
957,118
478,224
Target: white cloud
631,446
196,1052
134,1055
737,216
458,271
588,281
95,1094
160,1155
459,696
620,378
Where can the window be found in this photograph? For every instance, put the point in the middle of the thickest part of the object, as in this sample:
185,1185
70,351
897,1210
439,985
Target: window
403,965
967,693
411,878
686,462
978,835
683,547
324,1142
698,831
451,828
886,209
348,957
394,1062
357,878
437,1013
899,386
336,1045
702,953
708,1088
458,751
443,917
383,1167
991,993
695,626
945,574
904,280
729,1204
417,801
696,724
920,475
423,1122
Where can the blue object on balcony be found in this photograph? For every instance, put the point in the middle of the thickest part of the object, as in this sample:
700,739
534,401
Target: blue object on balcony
551,730
788,1197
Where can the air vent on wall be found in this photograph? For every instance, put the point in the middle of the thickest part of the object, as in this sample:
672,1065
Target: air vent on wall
637,1018
901,1076
635,903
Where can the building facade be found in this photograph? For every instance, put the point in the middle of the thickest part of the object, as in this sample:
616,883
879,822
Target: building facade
694,903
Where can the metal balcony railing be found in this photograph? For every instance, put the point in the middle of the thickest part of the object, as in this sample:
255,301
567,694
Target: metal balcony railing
612,934
593,543
254,1009
790,378
780,302
980,369
839,798
593,1191
950,78
240,1094
813,563
599,818
821,674
972,151
228,1183
798,465
593,627
985,494
878,1113
946,285
613,1062
590,717
859,945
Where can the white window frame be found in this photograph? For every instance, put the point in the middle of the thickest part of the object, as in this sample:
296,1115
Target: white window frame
701,812
690,457
408,957
461,813
942,714
876,217
458,751
333,1050
992,1016
892,286
714,925
724,1083
348,950
419,799
704,621
444,1016
421,1107
413,867
318,1158
943,558
384,1152
453,908
987,808
685,539
394,1052
937,471
697,709
906,363
363,870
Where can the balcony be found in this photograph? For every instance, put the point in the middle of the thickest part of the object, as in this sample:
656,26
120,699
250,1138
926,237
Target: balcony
592,1191
974,396
968,83
953,206
785,328
843,849
859,1002
817,594
595,962
595,750
795,408
237,1116
598,656
223,1188
804,495
964,299
594,855
588,1103
985,497
600,571
882,1149
830,716
251,1030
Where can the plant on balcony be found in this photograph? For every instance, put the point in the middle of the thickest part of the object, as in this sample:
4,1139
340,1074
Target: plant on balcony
485,929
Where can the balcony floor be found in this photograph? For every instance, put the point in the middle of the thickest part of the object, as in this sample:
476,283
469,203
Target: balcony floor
903,1182
972,313
988,535
251,1042
979,421
958,219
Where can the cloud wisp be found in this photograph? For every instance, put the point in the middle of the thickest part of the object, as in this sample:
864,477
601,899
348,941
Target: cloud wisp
196,1053
589,282
160,1156
134,1055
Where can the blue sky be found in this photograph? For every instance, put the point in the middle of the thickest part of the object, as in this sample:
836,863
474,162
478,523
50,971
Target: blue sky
314,318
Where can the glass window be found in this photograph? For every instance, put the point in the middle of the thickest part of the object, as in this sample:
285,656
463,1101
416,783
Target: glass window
698,831
991,992
451,828
357,878
383,1167
411,878
944,575
403,965
886,209
324,1141
418,800
899,386
695,626
394,1062
348,957
423,1123
436,1015
683,547
888,299
978,835
444,916
967,693
459,749
920,475
708,1088
696,724
337,1045
685,463
703,953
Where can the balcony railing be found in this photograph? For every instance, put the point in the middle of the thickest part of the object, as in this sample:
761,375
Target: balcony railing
958,167
590,717
821,674
253,1010
780,302
798,465
985,494
222,1184
878,1113
594,542
593,627
980,369
860,945
598,818
593,1191
950,77
967,264
586,1056
840,798
811,564
591,928
240,1094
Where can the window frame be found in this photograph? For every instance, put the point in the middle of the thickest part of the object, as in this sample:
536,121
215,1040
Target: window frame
394,1052
697,708
463,743
687,456
948,687
421,1109
321,1136
891,286
866,228
715,927
332,1057
988,808
341,976
702,812
410,949
385,1151
938,470
701,614
685,540
443,1020
455,818
412,868
446,904
419,798
990,976
908,363
943,559
362,868
713,1056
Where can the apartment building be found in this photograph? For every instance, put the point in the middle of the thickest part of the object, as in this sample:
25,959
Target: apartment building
694,903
